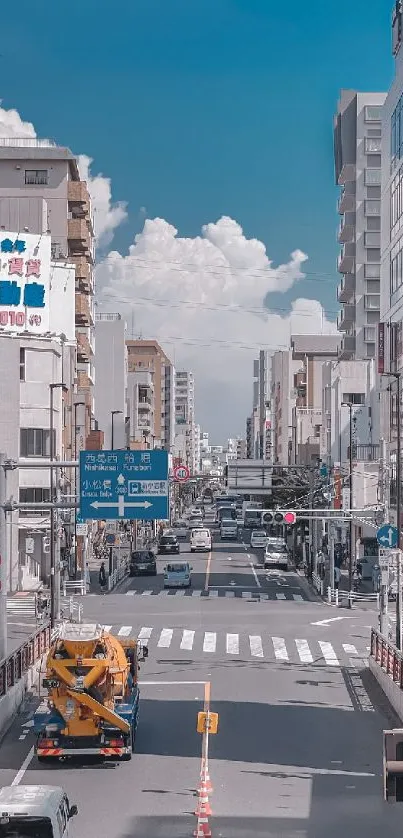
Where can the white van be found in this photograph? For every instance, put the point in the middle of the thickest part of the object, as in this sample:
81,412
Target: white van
200,539
37,811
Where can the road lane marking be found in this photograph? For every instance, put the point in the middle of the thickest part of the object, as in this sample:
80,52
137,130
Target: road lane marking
165,638
144,634
210,641
196,593
130,593
19,775
187,639
124,631
206,584
255,643
146,593
180,592
280,649
246,594
232,644
280,596
328,653
332,620
304,651
254,573
351,650
213,593
298,597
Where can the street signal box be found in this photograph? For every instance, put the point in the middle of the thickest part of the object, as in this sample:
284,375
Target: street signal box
393,765
277,516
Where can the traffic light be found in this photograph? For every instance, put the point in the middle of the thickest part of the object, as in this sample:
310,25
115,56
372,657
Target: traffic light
276,516
393,765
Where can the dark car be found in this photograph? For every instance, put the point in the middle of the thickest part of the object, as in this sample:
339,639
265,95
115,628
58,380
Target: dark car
143,562
168,544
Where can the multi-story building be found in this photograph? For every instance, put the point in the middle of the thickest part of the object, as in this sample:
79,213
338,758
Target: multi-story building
41,191
241,449
111,378
357,151
261,403
283,399
140,427
185,418
146,356
197,447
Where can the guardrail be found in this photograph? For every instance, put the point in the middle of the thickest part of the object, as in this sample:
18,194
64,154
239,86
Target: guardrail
74,611
318,584
387,656
14,666
356,596
78,586
116,576
332,595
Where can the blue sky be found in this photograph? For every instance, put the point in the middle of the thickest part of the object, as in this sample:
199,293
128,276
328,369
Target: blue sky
198,109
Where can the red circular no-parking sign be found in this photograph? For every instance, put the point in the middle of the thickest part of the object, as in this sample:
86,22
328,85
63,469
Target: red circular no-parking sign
181,473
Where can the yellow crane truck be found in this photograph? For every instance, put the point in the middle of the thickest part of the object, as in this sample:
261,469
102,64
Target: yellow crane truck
92,703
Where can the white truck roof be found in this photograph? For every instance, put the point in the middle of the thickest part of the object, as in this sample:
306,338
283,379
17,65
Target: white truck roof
30,800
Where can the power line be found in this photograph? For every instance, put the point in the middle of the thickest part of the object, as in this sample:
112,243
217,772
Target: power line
229,307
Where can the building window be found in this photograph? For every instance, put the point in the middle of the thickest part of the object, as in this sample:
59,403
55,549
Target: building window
373,145
372,239
35,442
373,177
373,113
22,364
372,271
372,301
396,134
36,177
354,398
396,267
372,207
369,334
35,495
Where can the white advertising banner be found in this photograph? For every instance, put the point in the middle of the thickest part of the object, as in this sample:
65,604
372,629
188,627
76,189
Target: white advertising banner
25,282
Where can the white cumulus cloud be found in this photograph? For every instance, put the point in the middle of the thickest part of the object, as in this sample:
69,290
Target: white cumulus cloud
107,214
202,298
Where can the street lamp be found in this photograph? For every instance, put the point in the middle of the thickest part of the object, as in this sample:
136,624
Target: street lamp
350,476
113,414
397,376
54,571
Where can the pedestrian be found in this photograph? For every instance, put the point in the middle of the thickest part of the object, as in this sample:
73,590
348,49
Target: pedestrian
102,576
337,574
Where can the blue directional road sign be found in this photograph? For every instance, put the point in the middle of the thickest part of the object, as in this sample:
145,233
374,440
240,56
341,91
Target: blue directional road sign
124,484
387,536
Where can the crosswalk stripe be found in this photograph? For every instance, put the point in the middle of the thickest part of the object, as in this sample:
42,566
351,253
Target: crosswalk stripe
146,593
328,653
180,593
196,593
232,644
280,649
130,593
280,596
229,593
213,593
124,631
256,647
246,594
304,651
297,598
107,628
351,650
210,641
165,638
144,633
264,596
187,639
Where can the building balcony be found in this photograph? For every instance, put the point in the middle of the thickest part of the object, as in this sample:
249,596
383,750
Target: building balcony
347,348
83,381
84,350
77,193
84,278
78,236
366,453
346,232
346,288
346,259
347,174
346,202
84,316
346,317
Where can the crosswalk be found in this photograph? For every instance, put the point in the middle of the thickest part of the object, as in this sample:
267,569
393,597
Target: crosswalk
228,594
236,645
21,606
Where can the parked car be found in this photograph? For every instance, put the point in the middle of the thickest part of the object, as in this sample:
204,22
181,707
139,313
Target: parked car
276,555
229,529
143,562
258,538
200,539
180,529
177,575
168,544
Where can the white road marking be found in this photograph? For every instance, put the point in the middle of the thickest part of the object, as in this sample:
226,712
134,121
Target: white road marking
304,651
187,639
165,638
351,650
19,775
124,631
254,573
297,597
328,653
146,593
232,645
230,593
280,649
144,634
196,593
246,594
130,593
264,596
213,593
107,628
181,592
210,641
331,620
255,643
280,596
23,735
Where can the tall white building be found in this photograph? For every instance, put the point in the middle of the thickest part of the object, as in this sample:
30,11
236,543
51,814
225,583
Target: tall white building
184,446
111,378
357,152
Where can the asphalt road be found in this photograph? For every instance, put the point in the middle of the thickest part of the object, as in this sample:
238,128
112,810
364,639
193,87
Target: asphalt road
299,746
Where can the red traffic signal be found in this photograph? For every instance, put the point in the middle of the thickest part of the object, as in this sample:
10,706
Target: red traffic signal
290,518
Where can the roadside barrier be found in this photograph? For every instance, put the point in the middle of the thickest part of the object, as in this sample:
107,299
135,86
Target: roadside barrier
116,576
207,723
356,596
332,595
74,611
318,584
77,586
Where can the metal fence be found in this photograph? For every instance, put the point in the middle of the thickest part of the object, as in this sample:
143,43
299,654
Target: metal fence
20,661
387,656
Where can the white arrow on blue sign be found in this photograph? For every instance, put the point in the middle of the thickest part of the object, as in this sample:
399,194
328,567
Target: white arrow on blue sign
387,536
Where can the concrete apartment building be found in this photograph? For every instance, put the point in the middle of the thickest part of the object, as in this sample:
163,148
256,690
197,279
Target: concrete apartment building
157,380
282,404
390,343
185,419
41,191
358,155
110,391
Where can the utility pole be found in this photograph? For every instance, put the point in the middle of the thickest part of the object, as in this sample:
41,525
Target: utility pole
3,561
350,484
384,499
399,609
54,534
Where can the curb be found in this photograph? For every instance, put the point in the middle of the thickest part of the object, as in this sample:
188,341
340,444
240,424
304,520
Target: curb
309,590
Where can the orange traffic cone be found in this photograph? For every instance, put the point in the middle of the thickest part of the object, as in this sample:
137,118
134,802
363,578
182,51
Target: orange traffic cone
207,781
202,830
203,806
